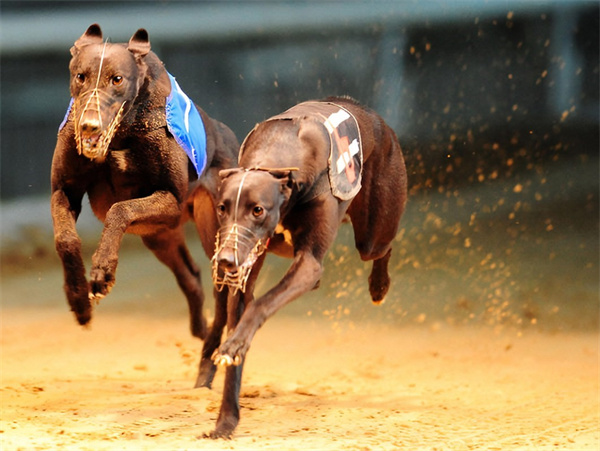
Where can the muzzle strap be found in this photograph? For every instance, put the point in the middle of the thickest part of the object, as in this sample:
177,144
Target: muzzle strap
235,237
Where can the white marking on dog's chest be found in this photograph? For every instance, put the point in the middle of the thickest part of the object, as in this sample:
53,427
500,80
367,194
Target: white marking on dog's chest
120,159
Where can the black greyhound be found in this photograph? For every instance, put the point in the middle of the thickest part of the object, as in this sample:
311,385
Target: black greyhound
300,174
122,144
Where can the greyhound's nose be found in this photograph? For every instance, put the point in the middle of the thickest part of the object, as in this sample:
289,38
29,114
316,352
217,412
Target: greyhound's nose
227,260
90,126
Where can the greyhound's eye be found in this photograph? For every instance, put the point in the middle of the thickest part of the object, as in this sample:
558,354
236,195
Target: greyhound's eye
80,78
221,209
257,211
117,80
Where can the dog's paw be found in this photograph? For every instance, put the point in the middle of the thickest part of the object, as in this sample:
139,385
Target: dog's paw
206,375
80,304
379,284
232,352
94,297
225,359
101,282
226,424
214,435
83,313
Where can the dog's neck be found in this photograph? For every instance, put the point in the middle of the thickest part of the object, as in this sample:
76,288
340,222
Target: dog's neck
301,194
153,88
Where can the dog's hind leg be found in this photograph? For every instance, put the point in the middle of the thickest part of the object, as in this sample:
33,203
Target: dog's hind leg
203,211
207,369
379,279
373,238
170,248
374,242
376,211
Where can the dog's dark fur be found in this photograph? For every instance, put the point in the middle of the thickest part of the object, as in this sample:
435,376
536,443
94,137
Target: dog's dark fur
142,183
310,215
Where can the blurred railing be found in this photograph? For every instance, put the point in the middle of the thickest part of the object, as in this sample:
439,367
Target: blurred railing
447,73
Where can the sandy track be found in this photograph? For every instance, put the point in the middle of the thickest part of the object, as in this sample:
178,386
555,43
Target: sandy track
308,384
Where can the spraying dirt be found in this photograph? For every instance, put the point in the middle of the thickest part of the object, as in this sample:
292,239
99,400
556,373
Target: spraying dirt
488,340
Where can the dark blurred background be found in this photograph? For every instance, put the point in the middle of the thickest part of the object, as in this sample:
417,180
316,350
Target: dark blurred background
495,103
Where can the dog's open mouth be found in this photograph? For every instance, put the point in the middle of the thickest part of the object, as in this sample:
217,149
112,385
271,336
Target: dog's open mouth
233,239
91,136
91,145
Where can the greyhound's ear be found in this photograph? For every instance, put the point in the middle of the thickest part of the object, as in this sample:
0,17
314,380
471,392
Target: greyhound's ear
93,35
286,186
286,180
139,44
224,173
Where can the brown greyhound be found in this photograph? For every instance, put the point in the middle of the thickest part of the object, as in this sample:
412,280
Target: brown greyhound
123,143
300,174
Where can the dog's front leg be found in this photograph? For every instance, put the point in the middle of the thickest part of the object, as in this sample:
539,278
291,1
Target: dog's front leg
160,208
68,247
302,276
229,413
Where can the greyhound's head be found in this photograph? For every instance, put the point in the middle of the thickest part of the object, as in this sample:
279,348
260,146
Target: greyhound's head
105,80
248,209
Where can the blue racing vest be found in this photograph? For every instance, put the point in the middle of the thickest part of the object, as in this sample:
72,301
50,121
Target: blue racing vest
185,124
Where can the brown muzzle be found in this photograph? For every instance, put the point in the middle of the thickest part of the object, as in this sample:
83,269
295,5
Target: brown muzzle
97,118
237,249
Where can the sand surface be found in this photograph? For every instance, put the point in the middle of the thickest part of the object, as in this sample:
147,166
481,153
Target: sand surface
308,384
